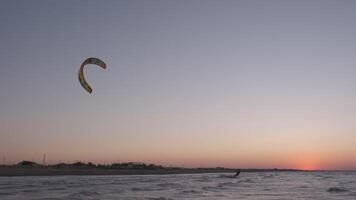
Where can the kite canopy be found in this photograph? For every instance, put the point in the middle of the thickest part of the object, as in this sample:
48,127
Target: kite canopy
94,61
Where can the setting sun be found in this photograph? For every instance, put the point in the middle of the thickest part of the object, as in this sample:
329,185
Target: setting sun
308,163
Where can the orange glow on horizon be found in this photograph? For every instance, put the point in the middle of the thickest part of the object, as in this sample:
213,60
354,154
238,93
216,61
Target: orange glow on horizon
308,163
308,167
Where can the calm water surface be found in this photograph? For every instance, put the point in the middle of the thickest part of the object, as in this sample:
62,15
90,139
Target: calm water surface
260,185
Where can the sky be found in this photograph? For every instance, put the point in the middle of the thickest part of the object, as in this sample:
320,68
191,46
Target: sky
247,84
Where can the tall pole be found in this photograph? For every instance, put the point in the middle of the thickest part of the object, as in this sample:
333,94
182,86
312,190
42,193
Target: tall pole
44,159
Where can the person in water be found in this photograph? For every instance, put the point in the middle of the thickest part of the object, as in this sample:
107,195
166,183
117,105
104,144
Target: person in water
237,173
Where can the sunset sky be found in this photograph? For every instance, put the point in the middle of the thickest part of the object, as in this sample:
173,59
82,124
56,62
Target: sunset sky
250,84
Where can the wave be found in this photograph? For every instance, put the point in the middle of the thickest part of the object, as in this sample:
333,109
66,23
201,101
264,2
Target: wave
226,184
337,189
170,185
146,189
246,181
159,198
83,194
30,191
6,193
226,176
209,188
191,192
56,188
269,176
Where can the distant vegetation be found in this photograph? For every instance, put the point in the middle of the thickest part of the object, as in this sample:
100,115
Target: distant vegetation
30,168
126,165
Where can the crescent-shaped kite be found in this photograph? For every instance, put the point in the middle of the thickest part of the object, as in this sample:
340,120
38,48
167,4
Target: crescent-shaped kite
94,61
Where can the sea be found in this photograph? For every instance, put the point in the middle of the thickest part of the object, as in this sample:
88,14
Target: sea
248,185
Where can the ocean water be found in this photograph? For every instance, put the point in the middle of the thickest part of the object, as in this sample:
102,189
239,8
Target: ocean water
259,185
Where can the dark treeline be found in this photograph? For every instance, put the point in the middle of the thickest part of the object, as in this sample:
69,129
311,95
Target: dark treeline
30,168
126,165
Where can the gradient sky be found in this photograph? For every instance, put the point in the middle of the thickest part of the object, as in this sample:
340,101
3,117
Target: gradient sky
188,83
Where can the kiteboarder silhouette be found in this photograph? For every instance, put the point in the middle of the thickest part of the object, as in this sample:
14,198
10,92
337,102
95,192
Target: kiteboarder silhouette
237,173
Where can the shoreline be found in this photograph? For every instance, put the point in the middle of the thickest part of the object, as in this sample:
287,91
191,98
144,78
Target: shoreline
49,171
13,172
